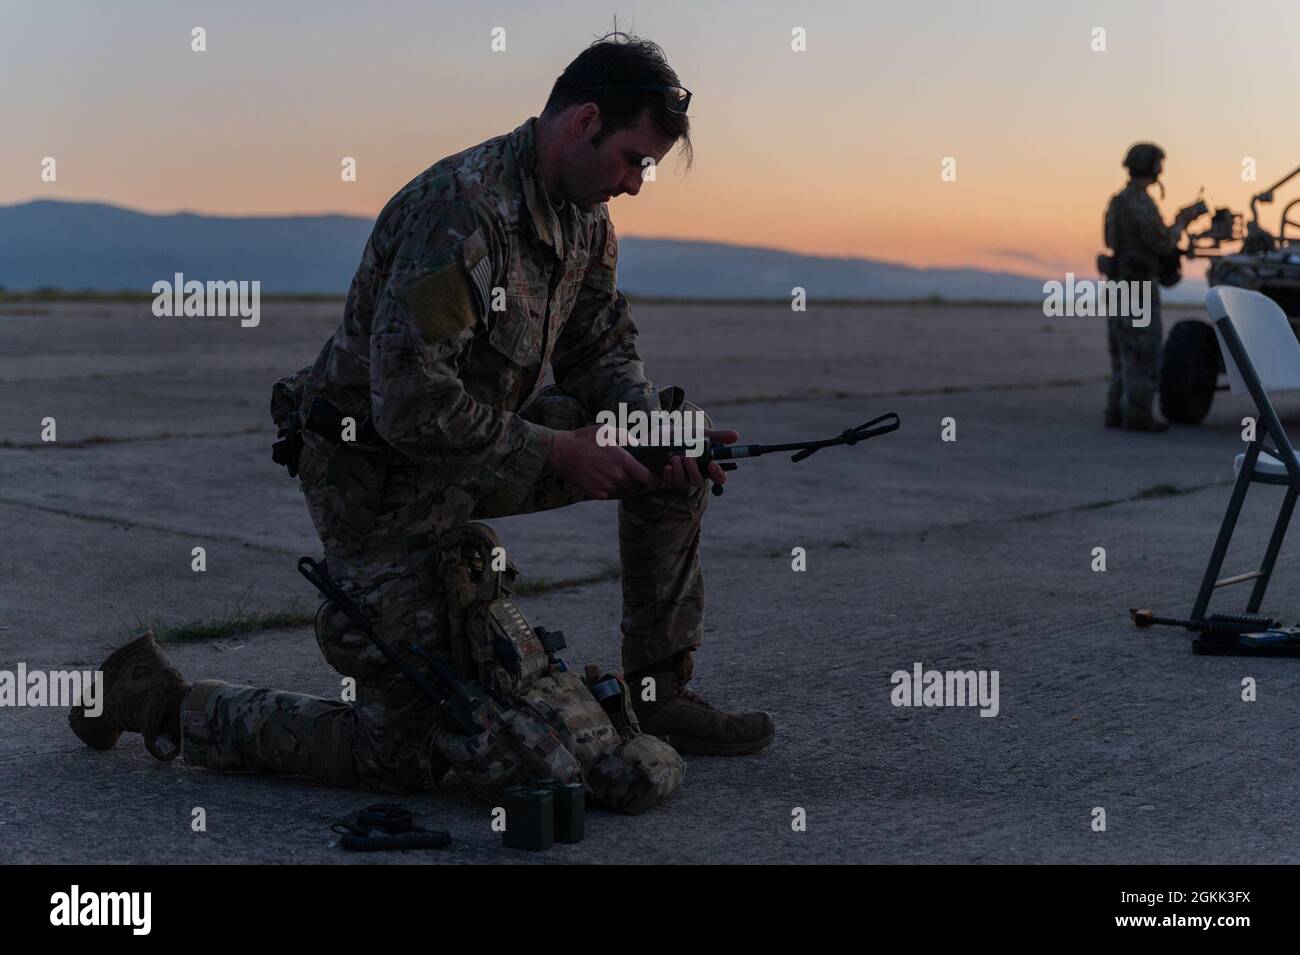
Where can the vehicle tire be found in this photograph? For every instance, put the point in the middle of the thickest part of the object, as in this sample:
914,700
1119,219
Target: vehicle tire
1189,372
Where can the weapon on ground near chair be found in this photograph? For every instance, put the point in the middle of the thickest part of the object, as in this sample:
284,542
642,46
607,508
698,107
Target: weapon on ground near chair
1231,634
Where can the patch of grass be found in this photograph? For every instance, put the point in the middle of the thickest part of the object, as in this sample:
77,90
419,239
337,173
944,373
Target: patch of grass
98,439
239,622
1092,506
1159,490
527,587
1154,491
232,626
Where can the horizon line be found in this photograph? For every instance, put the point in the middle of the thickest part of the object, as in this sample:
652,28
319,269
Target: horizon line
622,236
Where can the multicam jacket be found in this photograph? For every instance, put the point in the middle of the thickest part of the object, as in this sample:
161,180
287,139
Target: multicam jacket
1137,234
470,284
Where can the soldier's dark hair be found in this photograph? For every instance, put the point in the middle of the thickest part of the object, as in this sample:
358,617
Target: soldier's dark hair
622,60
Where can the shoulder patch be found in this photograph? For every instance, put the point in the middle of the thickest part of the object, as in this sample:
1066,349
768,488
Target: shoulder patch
441,303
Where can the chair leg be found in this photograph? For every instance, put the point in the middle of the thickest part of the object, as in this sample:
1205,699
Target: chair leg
1225,533
1270,555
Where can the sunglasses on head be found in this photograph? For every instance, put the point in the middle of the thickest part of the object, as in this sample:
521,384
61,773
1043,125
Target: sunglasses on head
676,98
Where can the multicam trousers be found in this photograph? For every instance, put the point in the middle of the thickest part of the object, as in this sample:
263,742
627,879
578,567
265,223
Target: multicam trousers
389,738
1134,361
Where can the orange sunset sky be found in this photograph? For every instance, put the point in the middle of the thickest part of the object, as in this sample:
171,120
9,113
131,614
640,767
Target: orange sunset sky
832,151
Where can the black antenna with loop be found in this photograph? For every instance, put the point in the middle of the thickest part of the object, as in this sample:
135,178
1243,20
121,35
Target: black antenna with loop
656,458
807,449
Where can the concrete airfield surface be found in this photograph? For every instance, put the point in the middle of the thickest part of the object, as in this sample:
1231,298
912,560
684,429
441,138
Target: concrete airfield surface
974,554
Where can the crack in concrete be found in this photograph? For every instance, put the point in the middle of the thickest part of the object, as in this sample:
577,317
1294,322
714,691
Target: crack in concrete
544,586
177,375
1145,494
95,441
818,395
124,522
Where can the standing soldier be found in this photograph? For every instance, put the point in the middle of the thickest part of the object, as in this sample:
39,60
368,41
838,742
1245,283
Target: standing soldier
1143,248
422,413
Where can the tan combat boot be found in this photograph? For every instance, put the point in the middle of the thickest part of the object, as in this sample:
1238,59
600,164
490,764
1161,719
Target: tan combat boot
142,694
688,723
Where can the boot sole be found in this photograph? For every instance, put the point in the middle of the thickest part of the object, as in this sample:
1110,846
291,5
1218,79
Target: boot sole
90,730
691,746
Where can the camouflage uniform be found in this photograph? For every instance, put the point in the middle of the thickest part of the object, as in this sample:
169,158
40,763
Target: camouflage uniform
459,430
1140,239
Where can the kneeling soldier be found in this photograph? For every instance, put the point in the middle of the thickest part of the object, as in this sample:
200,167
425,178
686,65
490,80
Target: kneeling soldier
421,414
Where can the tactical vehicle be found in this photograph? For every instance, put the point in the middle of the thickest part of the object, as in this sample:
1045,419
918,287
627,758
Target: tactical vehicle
1267,263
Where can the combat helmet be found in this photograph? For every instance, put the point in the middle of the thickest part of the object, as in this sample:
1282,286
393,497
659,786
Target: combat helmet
1142,159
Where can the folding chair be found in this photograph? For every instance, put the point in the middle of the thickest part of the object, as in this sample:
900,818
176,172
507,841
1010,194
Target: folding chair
1262,356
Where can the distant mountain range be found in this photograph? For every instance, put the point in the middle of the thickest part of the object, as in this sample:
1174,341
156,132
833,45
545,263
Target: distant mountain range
94,246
